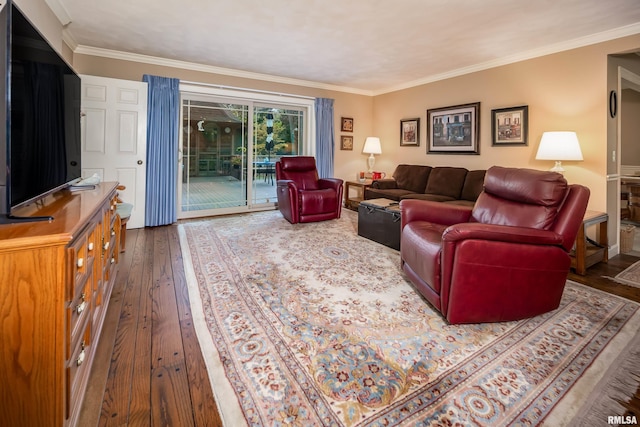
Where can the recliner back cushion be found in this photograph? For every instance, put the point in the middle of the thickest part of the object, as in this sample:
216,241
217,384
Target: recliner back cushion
520,197
446,181
412,177
300,169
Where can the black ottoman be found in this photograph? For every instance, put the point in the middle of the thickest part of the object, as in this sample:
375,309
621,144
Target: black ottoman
379,220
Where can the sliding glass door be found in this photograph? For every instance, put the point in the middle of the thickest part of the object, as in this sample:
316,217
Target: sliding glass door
229,148
276,133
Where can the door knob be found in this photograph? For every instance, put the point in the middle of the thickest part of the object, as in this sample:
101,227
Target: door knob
139,162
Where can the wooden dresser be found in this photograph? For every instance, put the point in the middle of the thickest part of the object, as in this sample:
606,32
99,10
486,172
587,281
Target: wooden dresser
56,278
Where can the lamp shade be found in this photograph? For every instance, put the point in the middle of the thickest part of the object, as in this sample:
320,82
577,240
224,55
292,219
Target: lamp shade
559,146
372,145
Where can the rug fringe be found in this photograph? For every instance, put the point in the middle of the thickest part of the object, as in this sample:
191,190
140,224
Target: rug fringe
614,390
629,271
621,281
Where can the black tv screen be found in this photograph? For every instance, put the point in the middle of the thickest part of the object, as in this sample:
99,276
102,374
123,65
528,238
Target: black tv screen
44,110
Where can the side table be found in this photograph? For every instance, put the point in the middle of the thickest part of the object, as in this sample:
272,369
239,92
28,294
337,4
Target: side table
589,252
359,187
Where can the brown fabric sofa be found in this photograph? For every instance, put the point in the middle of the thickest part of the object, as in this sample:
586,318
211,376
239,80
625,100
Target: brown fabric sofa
440,184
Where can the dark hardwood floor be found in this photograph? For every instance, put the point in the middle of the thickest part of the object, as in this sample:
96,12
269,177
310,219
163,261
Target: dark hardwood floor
149,370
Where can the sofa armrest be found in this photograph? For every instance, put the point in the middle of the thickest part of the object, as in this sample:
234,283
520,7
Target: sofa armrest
501,233
435,212
384,184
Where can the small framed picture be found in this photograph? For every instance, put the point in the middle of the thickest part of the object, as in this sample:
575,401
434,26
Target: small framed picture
510,126
346,142
454,130
410,132
346,124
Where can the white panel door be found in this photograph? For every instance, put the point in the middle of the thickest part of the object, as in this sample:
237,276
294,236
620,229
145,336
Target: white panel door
114,137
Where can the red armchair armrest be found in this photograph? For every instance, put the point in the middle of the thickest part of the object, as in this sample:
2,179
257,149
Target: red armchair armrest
286,183
501,233
334,183
288,199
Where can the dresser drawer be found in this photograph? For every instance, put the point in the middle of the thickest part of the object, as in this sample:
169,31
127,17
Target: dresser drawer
94,238
110,259
78,310
78,369
79,267
107,219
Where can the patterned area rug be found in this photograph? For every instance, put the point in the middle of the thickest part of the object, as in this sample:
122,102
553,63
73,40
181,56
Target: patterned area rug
630,276
310,324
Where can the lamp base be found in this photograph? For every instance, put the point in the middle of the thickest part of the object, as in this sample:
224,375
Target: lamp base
558,167
371,161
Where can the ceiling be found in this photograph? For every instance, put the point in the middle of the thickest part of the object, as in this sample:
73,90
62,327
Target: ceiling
370,46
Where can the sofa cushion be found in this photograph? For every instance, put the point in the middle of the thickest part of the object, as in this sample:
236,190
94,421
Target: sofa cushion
412,177
432,197
391,193
446,181
473,185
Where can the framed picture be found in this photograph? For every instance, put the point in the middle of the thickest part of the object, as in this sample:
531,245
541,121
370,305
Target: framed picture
346,124
410,132
454,130
346,142
510,126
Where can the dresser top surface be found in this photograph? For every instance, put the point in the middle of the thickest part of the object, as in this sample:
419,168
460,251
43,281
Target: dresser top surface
70,212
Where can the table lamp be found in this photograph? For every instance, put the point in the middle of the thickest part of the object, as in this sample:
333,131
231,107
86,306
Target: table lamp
559,146
372,146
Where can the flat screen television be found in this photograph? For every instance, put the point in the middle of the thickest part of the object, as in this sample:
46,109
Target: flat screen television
41,145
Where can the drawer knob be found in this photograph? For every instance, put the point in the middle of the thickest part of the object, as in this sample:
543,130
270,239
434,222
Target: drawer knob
81,356
113,260
80,307
90,246
80,262
113,232
106,246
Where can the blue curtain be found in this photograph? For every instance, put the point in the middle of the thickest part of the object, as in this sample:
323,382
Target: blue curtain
162,150
324,137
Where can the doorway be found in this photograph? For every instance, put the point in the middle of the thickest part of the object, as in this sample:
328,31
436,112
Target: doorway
228,151
629,128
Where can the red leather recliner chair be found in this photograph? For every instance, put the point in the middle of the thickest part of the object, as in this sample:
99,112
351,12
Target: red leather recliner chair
302,196
507,258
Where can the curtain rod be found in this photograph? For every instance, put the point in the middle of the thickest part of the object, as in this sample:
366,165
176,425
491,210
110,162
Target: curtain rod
267,92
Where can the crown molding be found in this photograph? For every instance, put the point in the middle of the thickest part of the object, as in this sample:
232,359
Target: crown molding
522,56
126,56
604,36
68,39
60,11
